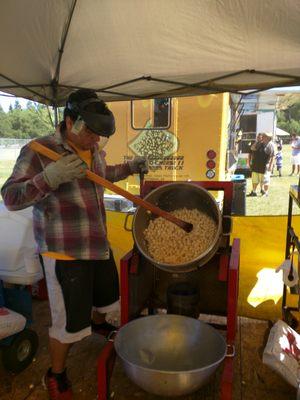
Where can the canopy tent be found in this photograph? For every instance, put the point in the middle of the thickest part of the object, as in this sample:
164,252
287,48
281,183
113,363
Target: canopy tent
281,133
147,48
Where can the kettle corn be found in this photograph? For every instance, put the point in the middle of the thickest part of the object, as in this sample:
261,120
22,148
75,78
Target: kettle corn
169,244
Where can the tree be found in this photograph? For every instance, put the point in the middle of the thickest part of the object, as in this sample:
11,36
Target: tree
34,121
29,105
287,100
5,126
17,105
288,116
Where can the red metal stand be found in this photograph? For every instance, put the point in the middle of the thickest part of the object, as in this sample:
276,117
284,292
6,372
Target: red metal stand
124,271
105,366
228,273
232,303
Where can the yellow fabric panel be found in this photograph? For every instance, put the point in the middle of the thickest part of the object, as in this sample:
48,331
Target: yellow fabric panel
57,256
121,240
262,251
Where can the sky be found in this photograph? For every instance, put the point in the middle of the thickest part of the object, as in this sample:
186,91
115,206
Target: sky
5,101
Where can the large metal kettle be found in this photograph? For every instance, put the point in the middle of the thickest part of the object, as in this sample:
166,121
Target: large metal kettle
171,197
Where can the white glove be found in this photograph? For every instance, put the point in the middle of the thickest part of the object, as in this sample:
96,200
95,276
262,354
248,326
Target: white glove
66,169
139,164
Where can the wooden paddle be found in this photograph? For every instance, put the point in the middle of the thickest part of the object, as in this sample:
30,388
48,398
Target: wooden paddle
41,149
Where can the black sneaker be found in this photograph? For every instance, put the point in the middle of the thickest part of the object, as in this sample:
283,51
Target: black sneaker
252,194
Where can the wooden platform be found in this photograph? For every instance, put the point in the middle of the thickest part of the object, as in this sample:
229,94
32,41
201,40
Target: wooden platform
253,380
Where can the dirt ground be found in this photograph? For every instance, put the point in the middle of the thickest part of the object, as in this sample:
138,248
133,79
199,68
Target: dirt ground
252,381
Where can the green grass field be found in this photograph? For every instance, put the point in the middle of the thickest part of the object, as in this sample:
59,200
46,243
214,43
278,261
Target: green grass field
275,204
5,170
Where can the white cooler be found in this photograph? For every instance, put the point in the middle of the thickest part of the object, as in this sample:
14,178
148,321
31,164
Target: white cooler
10,322
19,261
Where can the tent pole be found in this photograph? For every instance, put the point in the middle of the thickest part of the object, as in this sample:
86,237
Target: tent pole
54,104
55,109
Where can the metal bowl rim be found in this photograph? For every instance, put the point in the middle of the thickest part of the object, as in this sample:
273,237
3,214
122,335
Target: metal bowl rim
193,371
216,363
194,260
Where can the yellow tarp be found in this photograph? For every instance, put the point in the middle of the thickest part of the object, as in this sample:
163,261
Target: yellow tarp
120,239
262,251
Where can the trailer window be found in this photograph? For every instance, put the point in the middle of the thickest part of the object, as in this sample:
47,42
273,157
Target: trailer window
248,123
151,114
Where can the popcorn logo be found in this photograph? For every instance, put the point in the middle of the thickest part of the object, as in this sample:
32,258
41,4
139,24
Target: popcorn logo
154,144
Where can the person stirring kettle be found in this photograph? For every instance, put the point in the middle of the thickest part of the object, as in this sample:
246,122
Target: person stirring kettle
70,225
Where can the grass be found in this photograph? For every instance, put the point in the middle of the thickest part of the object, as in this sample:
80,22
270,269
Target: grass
275,204
277,201
5,170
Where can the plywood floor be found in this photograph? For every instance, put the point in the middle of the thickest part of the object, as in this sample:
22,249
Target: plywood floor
253,380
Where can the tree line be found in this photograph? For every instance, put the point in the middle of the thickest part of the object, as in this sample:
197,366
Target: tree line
33,121
288,114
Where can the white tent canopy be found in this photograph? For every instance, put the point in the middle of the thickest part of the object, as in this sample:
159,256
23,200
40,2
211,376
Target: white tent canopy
281,132
128,49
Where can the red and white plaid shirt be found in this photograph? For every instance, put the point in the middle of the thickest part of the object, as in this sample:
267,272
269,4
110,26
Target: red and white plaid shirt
71,219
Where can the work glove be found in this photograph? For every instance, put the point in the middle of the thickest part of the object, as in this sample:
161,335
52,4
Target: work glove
139,165
66,169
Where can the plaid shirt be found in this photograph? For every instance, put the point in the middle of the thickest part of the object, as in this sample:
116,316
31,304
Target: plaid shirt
71,219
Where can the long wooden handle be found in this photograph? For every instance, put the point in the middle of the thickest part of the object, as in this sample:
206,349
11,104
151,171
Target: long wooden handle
45,151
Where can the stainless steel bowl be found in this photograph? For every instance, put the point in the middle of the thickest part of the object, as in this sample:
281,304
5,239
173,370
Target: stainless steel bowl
171,197
169,355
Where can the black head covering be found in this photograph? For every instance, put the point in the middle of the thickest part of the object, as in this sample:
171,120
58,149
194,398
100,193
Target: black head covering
85,104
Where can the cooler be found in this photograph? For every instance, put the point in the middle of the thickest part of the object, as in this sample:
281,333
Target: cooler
19,260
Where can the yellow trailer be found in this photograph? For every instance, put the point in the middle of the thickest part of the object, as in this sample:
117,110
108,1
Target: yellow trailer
176,140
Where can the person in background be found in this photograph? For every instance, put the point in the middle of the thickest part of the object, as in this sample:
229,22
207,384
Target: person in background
238,141
253,161
279,160
253,146
278,141
70,225
269,151
295,159
262,161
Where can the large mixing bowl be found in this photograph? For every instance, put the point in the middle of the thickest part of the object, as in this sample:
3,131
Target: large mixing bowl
169,355
171,197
